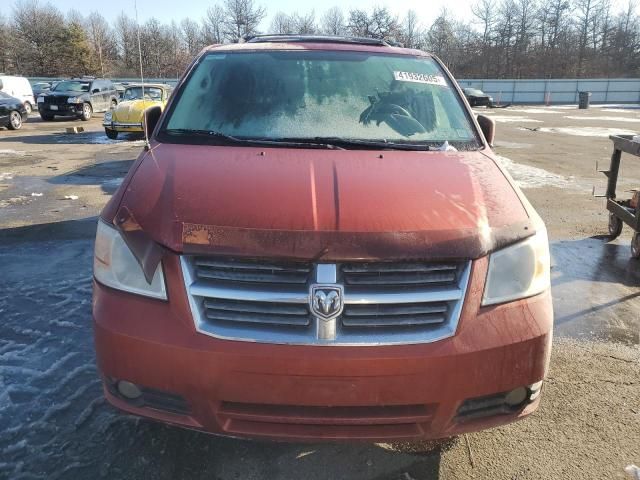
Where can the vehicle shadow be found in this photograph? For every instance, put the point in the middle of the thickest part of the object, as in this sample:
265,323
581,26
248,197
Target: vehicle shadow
180,454
45,232
107,174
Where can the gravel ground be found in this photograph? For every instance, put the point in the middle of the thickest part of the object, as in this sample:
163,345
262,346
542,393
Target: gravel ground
55,424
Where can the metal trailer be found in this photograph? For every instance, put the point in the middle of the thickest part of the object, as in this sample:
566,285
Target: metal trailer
622,211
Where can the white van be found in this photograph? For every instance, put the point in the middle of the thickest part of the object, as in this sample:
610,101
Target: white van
18,87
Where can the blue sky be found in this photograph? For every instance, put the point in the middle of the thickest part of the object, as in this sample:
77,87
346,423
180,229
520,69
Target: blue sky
166,10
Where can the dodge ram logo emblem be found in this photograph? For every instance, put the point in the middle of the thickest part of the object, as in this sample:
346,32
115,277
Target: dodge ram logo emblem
326,301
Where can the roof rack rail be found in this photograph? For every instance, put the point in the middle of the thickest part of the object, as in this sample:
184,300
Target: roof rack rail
275,38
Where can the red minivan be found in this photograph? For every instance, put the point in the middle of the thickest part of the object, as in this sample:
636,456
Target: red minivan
318,244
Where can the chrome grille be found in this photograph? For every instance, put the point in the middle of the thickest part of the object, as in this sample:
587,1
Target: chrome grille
396,315
399,274
269,301
252,271
273,313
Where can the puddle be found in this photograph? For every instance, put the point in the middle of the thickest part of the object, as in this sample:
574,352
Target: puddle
596,289
603,119
96,138
587,131
527,176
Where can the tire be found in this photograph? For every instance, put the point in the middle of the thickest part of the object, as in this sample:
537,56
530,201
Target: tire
87,112
635,245
46,117
615,226
28,107
112,134
15,120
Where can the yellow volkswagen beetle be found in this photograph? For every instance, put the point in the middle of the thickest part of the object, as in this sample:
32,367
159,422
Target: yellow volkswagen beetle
128,115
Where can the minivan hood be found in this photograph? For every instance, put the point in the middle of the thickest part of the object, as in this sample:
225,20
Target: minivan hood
323,204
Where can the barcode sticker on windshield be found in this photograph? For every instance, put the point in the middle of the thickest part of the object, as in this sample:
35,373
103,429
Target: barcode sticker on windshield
420,78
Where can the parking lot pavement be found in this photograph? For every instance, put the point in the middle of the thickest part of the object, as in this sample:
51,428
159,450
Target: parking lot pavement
54,422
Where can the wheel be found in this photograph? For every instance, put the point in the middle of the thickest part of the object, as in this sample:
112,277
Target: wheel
635,245
112,134
28,108
87,112
46,117
615,226
15,120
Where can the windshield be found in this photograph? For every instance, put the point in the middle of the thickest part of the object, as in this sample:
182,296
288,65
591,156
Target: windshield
135,93
473,91
299,95
72,86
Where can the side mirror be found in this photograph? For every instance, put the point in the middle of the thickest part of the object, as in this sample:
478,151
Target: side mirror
151,118
488,127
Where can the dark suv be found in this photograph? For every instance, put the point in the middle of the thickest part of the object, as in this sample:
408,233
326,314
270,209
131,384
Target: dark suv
78,97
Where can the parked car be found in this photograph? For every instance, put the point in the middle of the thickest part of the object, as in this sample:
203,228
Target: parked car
40,87
477,98
79,97
319,244
20,88
12,112
120,88
127,117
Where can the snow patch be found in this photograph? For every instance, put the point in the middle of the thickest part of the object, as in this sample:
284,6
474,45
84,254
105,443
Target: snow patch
533,110
604,119
514,118
587,131
527,176
7,152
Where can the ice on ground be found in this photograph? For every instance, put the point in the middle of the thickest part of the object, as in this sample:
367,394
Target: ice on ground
113,182
514,118
97,138
603,119
505,144
587,131
619,110
527,176
533,110
6,176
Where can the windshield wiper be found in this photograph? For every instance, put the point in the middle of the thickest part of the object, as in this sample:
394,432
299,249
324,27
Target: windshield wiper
373,144
186,132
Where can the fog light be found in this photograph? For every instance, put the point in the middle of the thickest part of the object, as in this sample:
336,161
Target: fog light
129,390
535,390
516,396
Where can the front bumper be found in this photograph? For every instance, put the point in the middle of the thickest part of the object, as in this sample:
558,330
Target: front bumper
383,393
62,109
123,127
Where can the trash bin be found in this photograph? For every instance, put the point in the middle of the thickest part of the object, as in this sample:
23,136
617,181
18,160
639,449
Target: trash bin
583,100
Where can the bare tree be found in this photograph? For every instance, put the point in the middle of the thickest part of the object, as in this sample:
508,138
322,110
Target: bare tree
333,22
242,18
191,36
281,24
412,33
304,24
213,25
101,40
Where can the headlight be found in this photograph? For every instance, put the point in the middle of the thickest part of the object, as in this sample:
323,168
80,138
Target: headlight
518,271
40,99
108,116
115,266
73,100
